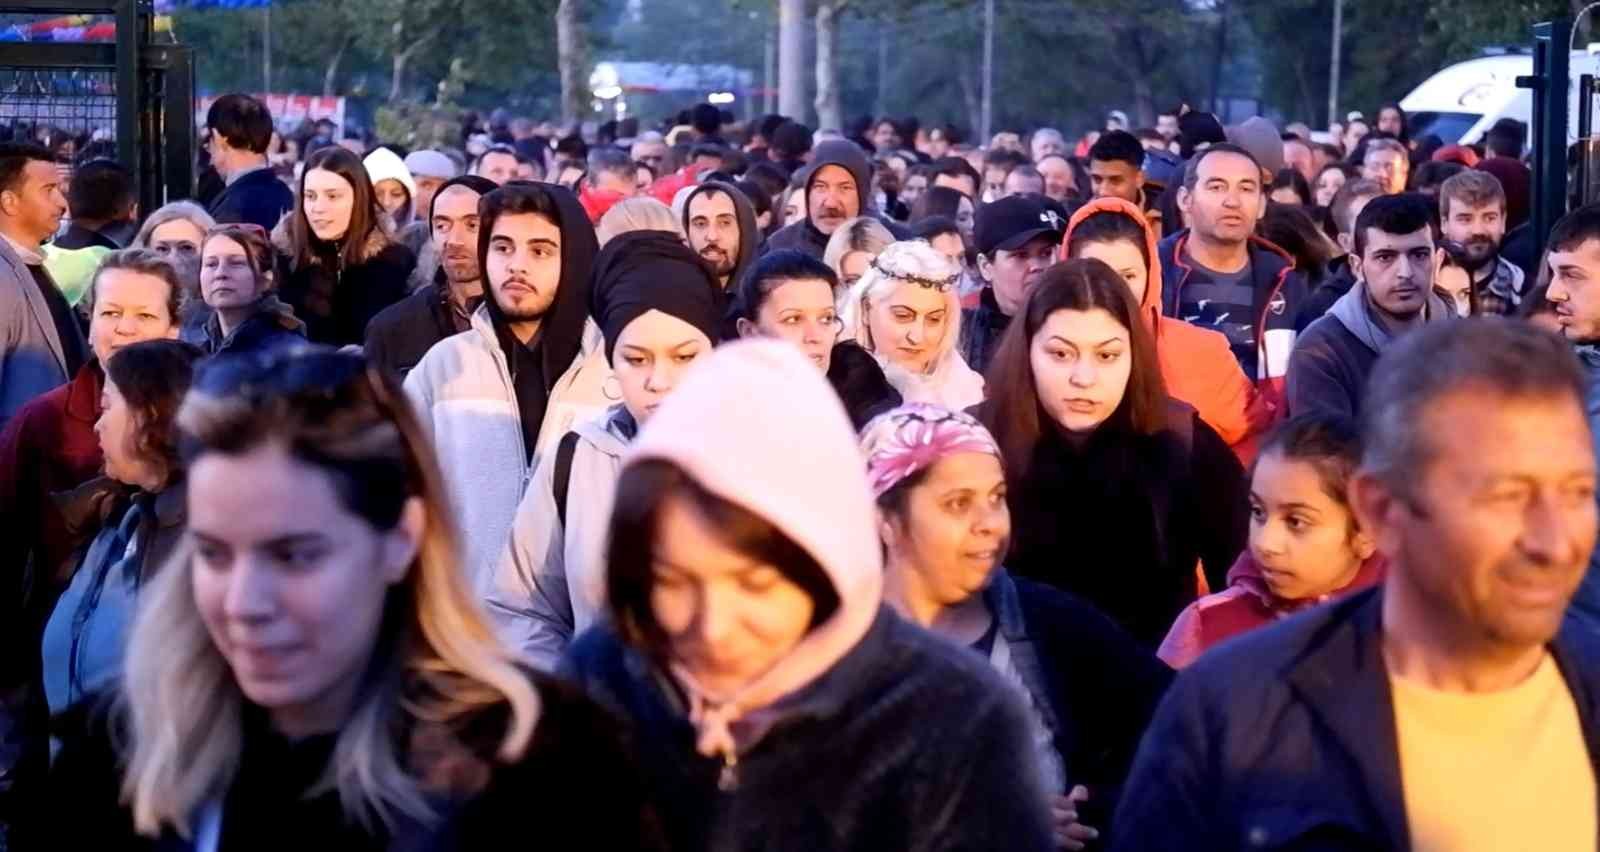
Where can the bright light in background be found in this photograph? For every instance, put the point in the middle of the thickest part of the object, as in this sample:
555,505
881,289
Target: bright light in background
605,81
720,98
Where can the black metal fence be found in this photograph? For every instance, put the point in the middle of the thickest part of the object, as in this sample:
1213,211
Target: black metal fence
131,91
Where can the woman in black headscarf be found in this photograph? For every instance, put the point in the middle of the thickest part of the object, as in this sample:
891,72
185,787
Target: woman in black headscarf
659,308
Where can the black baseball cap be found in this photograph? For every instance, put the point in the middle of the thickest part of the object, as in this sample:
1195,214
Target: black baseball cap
1016,220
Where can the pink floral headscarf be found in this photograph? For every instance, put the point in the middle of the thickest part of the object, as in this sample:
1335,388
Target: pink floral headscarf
912,438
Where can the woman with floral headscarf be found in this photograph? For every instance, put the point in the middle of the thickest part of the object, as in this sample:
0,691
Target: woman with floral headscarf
1090,688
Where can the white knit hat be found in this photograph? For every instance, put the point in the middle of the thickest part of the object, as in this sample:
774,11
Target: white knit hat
384,164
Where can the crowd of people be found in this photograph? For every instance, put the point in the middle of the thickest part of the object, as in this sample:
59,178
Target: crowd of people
739,485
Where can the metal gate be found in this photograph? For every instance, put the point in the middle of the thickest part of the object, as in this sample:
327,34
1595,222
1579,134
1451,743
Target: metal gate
131,90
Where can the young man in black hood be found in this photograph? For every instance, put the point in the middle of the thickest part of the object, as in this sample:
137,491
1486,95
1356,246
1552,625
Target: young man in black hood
721,224
495,397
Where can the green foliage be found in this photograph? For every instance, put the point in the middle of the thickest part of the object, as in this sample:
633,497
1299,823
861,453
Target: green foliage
1063,62
505,48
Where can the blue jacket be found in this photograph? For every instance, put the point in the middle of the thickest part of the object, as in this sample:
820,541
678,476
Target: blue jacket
1284,738
907,743
88,629
272,327
1585,604
257,197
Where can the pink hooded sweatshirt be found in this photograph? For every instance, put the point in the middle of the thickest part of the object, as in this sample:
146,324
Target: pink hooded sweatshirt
1246,604
792,460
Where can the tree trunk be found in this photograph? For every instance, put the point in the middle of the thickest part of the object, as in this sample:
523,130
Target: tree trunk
1144,102
967,77
792,58
397,65
827,100
332,71
570,58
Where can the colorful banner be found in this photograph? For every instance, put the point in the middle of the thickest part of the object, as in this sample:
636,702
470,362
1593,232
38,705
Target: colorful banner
74,28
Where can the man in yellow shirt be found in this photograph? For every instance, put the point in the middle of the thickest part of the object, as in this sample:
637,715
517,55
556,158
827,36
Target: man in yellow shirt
1450,709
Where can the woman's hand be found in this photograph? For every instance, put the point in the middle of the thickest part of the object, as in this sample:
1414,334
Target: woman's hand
1071,834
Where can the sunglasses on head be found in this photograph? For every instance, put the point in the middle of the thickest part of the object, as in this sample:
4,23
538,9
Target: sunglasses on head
235,227
300,371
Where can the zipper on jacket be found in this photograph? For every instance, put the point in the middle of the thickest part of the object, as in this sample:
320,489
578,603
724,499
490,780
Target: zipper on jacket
728,777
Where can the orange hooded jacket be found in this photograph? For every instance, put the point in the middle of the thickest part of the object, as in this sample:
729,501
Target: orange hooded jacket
1197,364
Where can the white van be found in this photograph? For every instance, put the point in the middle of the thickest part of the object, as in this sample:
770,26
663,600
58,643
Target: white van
1461,102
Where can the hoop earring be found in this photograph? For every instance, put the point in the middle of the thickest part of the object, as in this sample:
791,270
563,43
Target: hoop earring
607,392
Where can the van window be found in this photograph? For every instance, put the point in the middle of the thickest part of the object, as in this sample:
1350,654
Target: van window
1448,126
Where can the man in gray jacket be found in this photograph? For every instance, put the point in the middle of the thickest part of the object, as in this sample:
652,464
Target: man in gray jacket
41,343
41,346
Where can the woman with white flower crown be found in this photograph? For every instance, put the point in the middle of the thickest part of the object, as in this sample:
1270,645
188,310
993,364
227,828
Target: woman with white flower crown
905,310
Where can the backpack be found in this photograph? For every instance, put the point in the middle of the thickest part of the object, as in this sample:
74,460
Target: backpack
561,481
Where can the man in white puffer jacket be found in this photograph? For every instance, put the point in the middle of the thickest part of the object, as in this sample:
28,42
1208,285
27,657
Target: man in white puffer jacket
496,397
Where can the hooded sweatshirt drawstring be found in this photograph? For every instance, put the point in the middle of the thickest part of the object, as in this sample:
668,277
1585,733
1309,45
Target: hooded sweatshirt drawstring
793,462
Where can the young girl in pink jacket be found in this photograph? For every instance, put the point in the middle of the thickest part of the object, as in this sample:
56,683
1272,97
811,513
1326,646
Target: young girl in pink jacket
1305,544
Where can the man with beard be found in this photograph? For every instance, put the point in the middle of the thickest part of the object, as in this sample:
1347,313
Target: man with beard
721,224
496,397
1393,264
1375,721
1472,214
450,281
836,185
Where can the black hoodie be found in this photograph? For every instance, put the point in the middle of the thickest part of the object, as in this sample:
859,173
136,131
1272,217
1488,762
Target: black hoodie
803,235
537,365
749,231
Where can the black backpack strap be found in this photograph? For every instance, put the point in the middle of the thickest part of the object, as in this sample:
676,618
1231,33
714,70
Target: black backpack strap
563,473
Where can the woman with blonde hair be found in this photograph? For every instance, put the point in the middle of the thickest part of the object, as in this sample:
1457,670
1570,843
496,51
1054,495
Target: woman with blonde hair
175,231
636,214
311,670
853,245
906,311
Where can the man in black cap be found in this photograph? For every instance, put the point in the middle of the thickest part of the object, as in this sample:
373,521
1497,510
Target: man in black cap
402,333
1016,238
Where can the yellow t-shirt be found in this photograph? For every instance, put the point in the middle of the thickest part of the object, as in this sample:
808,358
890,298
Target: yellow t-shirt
1505,770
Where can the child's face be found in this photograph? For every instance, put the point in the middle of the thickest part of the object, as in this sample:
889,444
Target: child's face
1303,539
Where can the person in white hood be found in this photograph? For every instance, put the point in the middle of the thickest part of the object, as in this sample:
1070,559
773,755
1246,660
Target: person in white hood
393,184
778,703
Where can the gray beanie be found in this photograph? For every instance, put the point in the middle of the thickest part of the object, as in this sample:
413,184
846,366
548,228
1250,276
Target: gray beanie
1261,138
429,163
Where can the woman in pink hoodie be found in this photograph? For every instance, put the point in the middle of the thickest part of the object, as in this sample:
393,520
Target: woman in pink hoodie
778,703
1305,545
